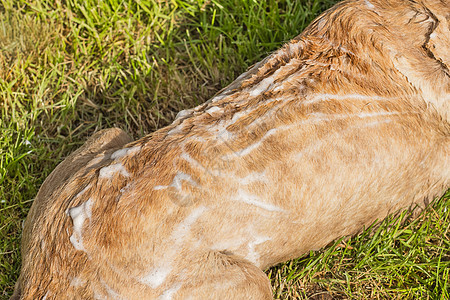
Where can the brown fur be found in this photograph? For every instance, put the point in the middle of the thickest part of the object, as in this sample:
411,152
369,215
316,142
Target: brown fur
345,124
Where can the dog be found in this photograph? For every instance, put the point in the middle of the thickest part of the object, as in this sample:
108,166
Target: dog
344,125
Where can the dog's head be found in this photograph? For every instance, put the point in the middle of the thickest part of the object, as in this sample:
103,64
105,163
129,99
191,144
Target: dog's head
410,36
417,35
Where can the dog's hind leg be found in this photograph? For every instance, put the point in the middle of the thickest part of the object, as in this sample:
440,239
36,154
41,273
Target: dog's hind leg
219,275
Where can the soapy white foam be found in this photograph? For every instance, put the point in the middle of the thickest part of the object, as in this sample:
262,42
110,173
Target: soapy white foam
184,227
192,161
126,188
109,171
369,5
177,182
168,294
218,98
376,114
119,153
253,177
321,23
79,214
222,132
82,192
133,150
221,129
321,117
183,113
111,293
331,117
262,86
179,178
247,150
314,118
156,277
76,282
269,82
229,244
213,110
237,116
176,129
252,255
98,296
125,151
245,197
96,160
160,187
326,97
256,145
376,123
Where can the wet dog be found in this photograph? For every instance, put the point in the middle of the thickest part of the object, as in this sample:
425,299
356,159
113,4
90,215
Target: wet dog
345,124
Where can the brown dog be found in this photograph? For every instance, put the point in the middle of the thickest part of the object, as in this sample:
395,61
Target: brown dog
345,124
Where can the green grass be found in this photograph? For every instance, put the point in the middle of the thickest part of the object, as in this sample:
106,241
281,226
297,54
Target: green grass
70,68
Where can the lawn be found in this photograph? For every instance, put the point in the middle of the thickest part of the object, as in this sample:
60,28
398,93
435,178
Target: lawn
70,68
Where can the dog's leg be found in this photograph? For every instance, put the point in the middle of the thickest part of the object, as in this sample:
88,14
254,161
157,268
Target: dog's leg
219,275
99,142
